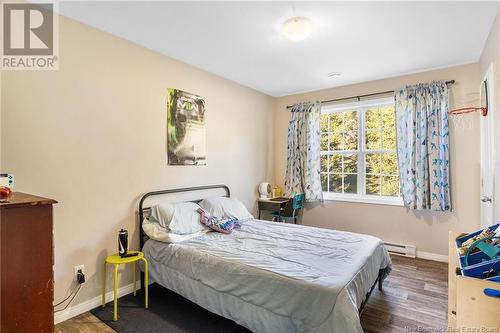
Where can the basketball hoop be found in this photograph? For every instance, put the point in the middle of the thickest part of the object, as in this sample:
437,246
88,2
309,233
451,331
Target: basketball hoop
464,121
470,109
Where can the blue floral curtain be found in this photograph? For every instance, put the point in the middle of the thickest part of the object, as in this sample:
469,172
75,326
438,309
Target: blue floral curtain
423,145
303,161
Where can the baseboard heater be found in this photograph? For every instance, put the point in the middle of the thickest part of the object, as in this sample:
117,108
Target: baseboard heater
401,249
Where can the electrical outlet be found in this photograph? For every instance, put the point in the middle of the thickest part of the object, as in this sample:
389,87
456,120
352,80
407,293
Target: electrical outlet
77,268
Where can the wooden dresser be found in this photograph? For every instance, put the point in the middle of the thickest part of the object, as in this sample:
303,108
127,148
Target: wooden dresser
469,309
26,267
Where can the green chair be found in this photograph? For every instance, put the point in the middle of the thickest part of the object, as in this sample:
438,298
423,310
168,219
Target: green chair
291,211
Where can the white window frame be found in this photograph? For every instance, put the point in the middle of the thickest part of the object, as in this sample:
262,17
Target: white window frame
361,107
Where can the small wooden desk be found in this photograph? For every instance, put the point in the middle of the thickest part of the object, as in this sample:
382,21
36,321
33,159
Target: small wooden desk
272,205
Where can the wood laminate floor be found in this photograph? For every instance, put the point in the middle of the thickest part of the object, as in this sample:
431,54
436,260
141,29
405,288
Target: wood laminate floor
414,297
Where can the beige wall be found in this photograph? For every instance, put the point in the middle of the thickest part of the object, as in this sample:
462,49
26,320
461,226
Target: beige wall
92,136
427,230
491,55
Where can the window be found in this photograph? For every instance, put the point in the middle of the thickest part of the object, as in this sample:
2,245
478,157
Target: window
358,152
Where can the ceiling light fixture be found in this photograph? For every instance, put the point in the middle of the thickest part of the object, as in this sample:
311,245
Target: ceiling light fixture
297,28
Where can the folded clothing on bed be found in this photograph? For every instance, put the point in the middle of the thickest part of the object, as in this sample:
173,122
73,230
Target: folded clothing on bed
220,224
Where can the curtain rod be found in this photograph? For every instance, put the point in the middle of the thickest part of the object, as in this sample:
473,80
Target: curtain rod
358,97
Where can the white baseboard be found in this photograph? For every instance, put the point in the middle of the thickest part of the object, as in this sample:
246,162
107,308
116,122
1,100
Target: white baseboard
432,256
83,307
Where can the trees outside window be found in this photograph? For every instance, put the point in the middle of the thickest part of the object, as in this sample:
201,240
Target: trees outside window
358,152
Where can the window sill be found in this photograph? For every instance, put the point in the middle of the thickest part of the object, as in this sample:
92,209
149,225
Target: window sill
368,199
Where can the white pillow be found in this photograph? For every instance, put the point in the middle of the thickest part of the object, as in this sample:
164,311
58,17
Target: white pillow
179,218
158,233
226,207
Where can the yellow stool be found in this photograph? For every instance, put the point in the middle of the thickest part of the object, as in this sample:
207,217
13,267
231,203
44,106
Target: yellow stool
116,260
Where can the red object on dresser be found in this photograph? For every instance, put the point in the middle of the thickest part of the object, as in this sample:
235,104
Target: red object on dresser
5,194
26,266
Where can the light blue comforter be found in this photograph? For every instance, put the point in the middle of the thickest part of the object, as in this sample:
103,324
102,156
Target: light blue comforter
274,277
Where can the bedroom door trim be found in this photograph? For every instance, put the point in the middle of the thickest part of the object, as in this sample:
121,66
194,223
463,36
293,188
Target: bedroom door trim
487,154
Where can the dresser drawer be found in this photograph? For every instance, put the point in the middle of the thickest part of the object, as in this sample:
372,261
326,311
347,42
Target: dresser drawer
26,255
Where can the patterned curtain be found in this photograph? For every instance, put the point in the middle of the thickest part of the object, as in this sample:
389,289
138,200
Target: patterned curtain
303,162
423,154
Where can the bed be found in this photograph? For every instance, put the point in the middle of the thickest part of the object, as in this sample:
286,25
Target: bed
272,277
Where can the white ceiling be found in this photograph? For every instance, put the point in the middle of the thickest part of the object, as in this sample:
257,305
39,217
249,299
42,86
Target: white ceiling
241,41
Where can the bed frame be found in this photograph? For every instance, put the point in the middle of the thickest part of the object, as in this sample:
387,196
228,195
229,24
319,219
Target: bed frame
144,212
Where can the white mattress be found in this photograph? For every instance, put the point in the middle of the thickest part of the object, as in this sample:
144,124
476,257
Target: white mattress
274,277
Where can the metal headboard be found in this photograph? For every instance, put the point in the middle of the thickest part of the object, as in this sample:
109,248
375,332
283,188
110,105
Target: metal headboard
142,210
142,236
